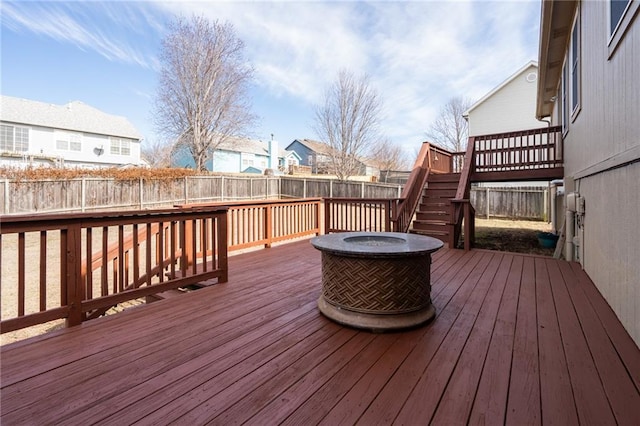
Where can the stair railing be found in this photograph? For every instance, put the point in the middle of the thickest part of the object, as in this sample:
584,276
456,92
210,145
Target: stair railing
463,208
412,191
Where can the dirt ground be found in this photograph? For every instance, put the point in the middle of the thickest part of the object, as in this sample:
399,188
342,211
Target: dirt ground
504,235
518,236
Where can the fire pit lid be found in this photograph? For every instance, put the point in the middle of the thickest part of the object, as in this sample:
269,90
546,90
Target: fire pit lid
376,243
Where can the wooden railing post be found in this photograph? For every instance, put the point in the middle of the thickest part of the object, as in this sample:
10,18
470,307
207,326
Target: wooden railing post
327,215
72,278
223,247
268,228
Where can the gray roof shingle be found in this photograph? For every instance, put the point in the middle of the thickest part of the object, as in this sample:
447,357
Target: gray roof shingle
75,116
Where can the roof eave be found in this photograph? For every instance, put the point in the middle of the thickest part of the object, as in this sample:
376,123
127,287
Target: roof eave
555,30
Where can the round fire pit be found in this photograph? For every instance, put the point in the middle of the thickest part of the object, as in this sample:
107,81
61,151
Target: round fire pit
376,280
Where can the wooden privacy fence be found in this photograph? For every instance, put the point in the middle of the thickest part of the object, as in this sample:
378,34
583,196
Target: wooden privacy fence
79,265
91,194
512,202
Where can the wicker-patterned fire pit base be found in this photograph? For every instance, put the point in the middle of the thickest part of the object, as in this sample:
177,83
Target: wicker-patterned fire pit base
376,281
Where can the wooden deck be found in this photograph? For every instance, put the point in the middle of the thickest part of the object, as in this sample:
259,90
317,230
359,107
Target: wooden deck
516,340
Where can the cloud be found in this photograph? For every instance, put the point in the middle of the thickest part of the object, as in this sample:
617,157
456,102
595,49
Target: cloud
102,27
418,54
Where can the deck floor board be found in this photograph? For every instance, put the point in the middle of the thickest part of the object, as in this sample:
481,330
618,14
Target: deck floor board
516,339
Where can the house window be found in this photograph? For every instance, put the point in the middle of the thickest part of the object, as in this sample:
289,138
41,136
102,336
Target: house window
120,146
564,104
617,8
621,14
68,141
575,66
13,138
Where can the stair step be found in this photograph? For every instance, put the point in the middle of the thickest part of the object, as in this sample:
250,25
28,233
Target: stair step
440,193
441,185
444,177
442,237
441,216
442,227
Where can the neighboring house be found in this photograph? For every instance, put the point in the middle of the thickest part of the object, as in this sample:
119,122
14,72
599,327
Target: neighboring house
313,154
71,135
243,155
508,107
589,66
317,155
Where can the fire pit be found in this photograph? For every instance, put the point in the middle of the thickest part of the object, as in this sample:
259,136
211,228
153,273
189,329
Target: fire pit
376,281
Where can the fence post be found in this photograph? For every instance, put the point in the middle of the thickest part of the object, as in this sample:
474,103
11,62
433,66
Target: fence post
362,190
83,196
330,188
487,201
222,188
6,196
141,193
545,213
304,188
251,188
186,195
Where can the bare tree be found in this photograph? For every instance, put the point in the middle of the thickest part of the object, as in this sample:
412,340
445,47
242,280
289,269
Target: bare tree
348,122
388,156
450,129
156,154
202,97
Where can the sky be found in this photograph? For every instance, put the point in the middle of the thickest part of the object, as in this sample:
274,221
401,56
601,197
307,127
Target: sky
417,55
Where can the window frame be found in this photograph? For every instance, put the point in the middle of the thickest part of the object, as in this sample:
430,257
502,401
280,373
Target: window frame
563,97
575,67
14,142
119,146
616,35
72,141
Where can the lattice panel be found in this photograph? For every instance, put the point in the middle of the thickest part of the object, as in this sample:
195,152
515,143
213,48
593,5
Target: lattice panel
387,286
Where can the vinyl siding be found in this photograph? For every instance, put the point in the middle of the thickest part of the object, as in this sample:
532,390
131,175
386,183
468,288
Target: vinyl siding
510,108
602,148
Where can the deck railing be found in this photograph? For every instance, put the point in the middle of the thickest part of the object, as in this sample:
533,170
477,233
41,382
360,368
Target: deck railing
523,150
132,255
464,212
412,191
390,214
263,223
357,214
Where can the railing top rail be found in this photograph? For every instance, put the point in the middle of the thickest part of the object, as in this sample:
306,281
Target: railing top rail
439,149
48,221
540,130
247,203
363,200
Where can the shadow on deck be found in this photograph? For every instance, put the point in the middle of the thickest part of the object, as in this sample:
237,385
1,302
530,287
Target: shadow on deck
516,339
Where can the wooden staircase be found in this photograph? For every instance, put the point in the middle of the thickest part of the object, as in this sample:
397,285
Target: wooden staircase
435,214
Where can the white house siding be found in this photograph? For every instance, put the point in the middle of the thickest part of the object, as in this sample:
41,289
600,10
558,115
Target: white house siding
94,150
602,148
512,107
93,129
611,240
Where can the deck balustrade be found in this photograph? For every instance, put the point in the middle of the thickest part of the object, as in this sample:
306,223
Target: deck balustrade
132,254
